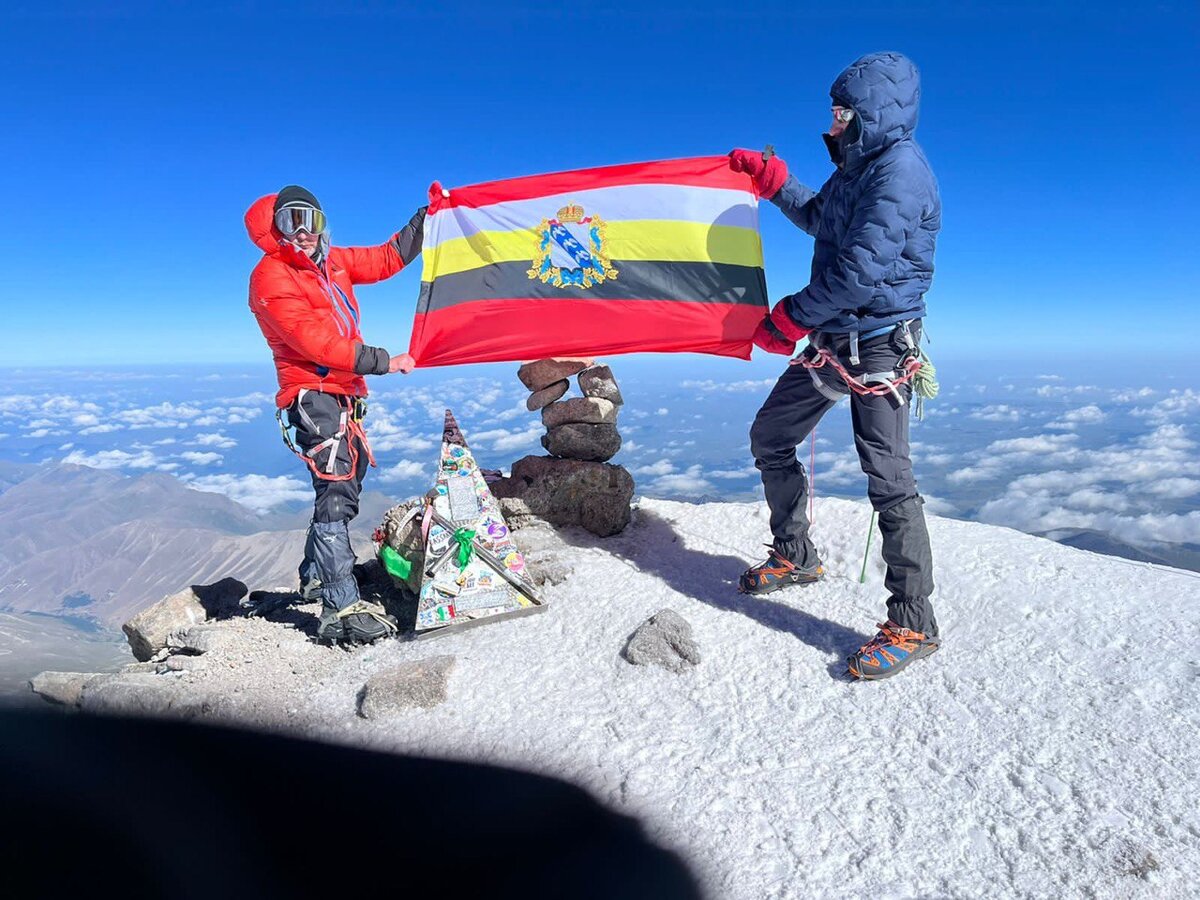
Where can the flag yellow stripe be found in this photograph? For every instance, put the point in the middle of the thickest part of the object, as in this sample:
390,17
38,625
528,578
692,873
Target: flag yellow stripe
640,240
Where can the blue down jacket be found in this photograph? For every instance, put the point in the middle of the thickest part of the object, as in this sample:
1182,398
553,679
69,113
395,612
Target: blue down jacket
876,219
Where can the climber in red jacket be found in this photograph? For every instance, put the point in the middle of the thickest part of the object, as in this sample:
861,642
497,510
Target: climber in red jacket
302,294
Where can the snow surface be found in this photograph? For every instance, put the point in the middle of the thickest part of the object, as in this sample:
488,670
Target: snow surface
1048,750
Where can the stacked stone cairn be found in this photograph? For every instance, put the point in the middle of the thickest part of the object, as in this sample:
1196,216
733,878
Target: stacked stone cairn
575,484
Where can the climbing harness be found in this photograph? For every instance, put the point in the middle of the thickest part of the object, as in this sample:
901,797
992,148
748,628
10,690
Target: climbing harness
349,427
875,384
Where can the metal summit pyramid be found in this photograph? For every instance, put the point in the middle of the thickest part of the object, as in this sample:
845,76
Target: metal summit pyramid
473,571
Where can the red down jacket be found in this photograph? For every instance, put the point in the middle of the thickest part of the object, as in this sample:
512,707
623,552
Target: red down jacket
310,317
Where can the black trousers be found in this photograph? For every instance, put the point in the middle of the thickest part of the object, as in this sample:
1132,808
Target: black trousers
328,554
792,410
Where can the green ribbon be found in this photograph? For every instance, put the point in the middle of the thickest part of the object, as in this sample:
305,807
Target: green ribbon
394,563
466,548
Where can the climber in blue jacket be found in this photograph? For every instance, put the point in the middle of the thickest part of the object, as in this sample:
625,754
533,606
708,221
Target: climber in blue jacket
875,222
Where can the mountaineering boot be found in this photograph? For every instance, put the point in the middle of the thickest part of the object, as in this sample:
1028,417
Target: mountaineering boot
361,622
890,651
778,571
330,627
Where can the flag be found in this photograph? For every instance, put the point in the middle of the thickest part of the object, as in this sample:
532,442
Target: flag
650,257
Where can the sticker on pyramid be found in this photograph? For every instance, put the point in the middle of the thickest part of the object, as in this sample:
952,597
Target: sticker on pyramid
472,569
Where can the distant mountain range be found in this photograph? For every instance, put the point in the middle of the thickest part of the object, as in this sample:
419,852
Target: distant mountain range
92,543
84,543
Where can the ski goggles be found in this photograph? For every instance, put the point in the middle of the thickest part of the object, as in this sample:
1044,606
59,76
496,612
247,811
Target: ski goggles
291,219
843,115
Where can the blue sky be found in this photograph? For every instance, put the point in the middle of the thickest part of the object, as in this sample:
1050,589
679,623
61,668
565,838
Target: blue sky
135,135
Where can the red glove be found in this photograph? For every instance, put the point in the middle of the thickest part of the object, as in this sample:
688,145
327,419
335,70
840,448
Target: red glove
785,324
768,174
767,336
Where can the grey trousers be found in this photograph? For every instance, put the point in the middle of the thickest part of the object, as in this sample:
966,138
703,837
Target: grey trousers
328,554
790,413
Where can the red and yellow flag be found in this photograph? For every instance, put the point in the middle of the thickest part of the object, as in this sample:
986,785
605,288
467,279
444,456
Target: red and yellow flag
650,257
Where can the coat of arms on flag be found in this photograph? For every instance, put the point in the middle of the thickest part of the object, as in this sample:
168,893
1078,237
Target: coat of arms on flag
584,246
647,257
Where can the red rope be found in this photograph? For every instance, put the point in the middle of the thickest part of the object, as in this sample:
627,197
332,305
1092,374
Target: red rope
824,356
812,472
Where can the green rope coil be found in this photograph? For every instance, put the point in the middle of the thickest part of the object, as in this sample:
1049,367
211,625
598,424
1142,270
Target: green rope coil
925,384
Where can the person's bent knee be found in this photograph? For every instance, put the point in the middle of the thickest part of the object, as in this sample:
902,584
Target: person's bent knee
766,448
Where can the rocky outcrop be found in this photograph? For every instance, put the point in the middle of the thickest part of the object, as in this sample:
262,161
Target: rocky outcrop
665,639
61,688
590,410
151,629
580,440
581,432
419,684
542,373
598,382
593,495
546,395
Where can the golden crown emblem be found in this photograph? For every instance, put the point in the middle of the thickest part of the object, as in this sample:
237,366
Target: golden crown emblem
572,212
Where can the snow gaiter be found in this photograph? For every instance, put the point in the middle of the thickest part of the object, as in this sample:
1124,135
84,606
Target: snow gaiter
909,577
333,562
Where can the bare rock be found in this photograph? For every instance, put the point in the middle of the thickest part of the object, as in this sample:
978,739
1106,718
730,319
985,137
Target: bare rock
420,684
665,639
593,495
63,688
598,381
144,695
596,443
139,667
149,630
546,395
591,410
544,372
182,663
199,639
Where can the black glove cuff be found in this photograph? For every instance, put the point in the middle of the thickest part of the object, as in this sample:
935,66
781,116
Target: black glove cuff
409,239
371,360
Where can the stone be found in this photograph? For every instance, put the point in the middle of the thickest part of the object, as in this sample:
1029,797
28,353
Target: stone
590,410
63,688
546,395
593,495
149,630
544,372
141,695
420,684
665,639
140,667
182,663
595,443
598,381
199,639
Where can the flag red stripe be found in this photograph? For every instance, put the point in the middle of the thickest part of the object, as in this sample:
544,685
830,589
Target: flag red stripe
706,171
521,329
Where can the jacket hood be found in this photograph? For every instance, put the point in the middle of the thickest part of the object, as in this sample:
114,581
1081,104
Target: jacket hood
260,224
884,90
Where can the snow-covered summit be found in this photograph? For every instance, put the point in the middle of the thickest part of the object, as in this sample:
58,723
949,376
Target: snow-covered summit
1049,749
